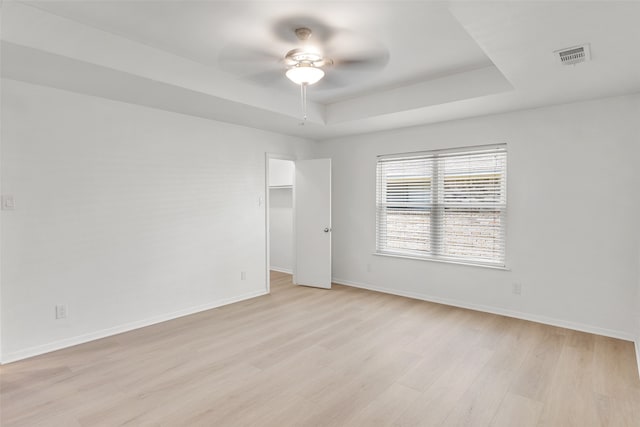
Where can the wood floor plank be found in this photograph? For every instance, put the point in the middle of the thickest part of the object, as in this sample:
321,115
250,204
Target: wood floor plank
311,357
536,373
479,404
568,404
386,408
517,410
440,398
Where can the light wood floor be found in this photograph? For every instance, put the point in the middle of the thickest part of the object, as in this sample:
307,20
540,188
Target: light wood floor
311,357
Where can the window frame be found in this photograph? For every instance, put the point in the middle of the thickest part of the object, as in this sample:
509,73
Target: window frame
437,180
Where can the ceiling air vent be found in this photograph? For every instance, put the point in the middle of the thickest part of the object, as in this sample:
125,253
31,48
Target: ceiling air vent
574,55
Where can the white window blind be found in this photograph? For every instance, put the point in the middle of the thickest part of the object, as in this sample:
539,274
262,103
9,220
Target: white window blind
448,205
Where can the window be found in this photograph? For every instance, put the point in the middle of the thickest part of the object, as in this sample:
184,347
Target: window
447,205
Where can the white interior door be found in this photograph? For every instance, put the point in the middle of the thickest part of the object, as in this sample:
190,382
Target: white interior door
313,223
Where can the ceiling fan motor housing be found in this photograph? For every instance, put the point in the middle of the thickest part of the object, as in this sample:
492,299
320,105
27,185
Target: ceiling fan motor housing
300,55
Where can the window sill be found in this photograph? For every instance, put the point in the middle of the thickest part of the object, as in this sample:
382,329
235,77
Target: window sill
468,264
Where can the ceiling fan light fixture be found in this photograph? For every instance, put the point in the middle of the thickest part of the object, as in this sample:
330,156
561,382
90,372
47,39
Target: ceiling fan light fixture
304,74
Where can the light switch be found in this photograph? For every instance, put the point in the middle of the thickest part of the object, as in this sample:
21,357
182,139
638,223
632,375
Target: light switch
8,203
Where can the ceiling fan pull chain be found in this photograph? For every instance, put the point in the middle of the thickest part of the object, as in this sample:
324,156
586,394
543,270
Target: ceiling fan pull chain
303,89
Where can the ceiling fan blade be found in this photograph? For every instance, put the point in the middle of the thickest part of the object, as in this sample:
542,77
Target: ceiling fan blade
366,63
353,69
333,80
355,57
242,60
266,77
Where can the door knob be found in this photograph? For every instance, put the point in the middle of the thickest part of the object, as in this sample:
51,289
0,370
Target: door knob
326,230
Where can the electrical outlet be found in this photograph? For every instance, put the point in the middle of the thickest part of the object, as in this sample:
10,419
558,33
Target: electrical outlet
517,289
61,312
368,268
243,275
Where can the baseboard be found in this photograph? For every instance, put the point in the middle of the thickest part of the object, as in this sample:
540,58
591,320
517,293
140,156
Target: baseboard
282,270
497,310
81,339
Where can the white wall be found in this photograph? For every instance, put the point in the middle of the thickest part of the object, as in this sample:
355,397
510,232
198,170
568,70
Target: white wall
281,174
281,231
637,338
572,215
131,215
126,214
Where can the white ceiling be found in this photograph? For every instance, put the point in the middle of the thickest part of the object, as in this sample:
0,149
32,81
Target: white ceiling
447,60
423,38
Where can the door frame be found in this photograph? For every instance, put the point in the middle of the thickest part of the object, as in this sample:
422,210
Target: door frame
279,156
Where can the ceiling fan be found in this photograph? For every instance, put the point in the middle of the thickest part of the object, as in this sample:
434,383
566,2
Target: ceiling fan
316,52
304,64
